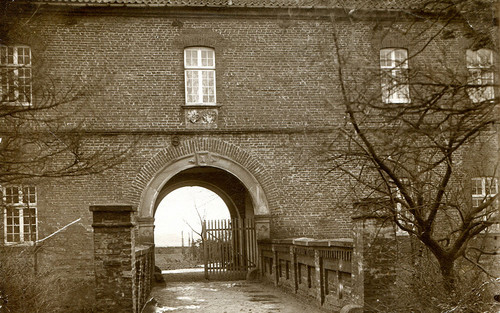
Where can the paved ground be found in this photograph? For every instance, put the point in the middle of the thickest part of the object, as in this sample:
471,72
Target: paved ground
224,297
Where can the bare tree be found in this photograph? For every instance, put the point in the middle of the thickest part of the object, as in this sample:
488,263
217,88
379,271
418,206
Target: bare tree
422,126
202,217
45,132
44,118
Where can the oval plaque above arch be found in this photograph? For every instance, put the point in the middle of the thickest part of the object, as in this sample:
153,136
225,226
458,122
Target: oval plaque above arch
153,176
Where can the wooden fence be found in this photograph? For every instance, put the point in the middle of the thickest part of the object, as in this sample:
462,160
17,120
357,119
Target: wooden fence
230,248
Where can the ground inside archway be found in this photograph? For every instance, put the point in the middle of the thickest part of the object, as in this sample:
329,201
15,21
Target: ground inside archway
225,297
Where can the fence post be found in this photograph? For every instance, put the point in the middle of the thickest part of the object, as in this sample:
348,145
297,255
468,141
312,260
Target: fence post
276,268
205,246
114,258
318,264
293,264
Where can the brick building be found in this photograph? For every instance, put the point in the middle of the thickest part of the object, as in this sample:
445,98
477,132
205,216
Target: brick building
235,96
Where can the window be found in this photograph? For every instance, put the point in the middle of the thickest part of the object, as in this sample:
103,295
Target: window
15,74
20,221
199,69
394,66
483,188
480,65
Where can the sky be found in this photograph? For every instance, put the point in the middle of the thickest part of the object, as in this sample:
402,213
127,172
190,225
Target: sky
177,211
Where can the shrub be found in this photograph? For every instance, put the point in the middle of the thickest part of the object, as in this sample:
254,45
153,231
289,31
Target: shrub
23,289
420,289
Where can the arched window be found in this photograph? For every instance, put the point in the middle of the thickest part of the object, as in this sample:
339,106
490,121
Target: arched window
394,72
199,70
15,74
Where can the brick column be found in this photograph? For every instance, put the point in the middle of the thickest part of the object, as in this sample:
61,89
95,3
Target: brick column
114,258
375,256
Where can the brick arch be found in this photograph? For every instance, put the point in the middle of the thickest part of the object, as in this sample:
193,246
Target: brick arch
202,152
384,36
199,37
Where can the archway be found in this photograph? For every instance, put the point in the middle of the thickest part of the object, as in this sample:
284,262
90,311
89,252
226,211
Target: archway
230,246
207,169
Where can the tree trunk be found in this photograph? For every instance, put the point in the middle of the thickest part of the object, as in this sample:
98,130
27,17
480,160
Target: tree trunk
447,267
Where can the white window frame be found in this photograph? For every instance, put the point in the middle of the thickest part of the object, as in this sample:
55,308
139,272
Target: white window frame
18,203
14,68
479,197
481,73
482,183
199,70
394,79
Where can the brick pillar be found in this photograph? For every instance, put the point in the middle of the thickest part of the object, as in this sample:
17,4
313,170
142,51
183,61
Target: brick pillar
114,258
375,257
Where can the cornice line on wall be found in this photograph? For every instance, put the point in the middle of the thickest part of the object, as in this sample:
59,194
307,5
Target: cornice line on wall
240,131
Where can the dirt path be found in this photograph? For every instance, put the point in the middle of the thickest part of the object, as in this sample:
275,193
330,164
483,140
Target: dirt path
225,297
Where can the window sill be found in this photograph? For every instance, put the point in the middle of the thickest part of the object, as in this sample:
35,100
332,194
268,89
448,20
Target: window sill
200,106
13,104
19,244
396,101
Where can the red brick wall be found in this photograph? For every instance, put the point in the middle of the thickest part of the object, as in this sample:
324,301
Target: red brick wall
272,84
275,85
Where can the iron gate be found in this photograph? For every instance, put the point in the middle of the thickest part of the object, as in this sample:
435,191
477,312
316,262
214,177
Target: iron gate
230,248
